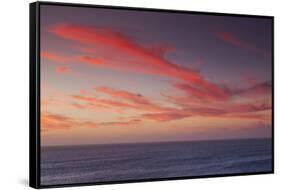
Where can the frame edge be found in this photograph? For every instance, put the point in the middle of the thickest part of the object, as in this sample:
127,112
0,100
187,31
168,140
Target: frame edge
34,175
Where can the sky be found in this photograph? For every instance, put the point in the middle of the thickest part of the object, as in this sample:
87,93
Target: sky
126,76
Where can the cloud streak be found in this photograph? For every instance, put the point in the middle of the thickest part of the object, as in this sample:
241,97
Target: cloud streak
234,40
62,69
53,122
55,57
166,116
262,89
132,122
255,91
144,60
124,100
120,100
50,122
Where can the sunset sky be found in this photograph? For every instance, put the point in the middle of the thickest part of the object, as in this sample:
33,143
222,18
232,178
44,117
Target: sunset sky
118,76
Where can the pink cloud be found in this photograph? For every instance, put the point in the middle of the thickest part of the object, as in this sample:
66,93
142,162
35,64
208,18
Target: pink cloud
55,57
120,99
203,93
145,60
135,98
197,94
124,100
90,60
132,122
62,69
234,40
263,89
166,116
51,122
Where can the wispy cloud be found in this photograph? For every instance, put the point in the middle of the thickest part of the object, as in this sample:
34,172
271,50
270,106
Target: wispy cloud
120,99
262,89
135,98
234,40
256,90
246,103
62,69
91,60
203,93
167,116
51,122
144,60
132,122
55,57
124,100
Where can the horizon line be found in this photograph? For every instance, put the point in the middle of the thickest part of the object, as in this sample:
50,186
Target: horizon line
151,142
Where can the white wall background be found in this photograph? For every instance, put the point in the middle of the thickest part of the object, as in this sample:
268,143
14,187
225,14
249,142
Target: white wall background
14,51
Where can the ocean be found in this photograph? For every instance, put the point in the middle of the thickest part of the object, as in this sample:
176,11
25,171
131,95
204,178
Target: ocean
117,162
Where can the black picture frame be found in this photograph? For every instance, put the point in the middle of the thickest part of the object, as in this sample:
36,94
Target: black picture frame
34,97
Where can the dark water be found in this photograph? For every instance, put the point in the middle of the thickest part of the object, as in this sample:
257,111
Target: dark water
101,163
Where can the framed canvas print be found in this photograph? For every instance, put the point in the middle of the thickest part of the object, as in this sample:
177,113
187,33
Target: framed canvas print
121,94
